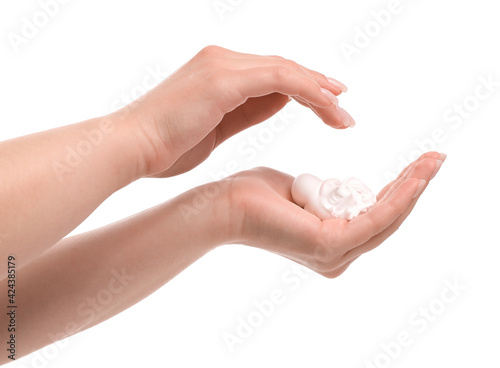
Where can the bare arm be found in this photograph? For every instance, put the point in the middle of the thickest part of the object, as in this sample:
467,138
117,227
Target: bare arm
51,181
86,279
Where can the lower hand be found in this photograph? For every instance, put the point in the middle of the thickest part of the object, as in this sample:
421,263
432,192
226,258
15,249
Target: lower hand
263,215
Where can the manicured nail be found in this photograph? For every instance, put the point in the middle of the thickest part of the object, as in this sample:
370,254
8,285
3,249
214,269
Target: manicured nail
346,119
442,157
420,188
438,166
337,84
330,96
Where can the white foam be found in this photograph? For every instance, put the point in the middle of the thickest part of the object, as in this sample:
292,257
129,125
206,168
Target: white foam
332,198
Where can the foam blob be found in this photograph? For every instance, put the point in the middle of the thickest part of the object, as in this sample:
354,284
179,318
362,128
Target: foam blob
332,198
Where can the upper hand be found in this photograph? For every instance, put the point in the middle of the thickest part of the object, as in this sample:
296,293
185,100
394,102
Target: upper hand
219,93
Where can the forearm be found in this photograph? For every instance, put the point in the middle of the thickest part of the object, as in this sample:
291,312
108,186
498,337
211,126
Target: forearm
51,181
85,279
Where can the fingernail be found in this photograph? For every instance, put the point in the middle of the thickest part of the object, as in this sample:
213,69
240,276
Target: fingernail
330,96
438,166
346,119
420,188
442,157
289,99
337,84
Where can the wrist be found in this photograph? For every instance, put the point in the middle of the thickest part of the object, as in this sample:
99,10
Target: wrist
151,154
206,210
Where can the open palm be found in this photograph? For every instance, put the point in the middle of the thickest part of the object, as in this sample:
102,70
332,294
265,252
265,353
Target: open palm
266,217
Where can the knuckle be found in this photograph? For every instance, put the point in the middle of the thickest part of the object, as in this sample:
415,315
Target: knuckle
210,50
277,57
263,170
291,64
280,73
209,57
323,78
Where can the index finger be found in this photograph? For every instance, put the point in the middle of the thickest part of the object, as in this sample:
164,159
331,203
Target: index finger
383,214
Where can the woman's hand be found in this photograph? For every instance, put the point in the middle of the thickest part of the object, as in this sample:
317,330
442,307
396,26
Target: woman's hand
134,257
218,94
263,215
69,171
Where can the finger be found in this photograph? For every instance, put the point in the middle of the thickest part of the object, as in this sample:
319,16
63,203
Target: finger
362,228
330,116
302,102
262,81
422,169
275,70
378,239
252,112
252,61
384,235
380,217
408,168
333,85
335,116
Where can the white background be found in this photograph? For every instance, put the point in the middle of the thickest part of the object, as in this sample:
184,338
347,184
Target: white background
403,85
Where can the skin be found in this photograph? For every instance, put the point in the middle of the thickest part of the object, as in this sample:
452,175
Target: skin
162,135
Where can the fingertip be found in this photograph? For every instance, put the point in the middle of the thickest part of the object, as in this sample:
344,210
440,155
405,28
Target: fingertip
420,188
345,118
436,168
328,95
332,118
341,86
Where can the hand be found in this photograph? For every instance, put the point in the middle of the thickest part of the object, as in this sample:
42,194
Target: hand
218,94
264,215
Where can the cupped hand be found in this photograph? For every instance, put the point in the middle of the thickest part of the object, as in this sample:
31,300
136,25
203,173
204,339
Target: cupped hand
264,216
219,93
